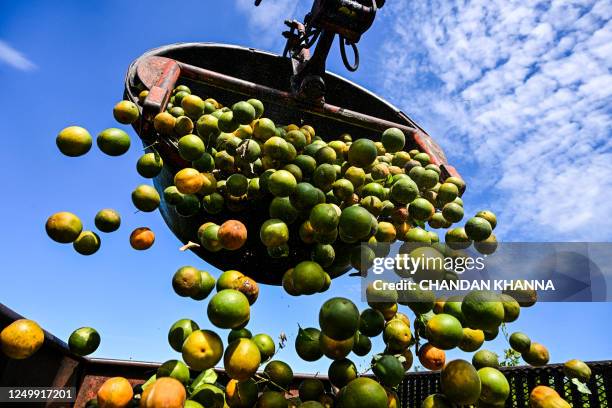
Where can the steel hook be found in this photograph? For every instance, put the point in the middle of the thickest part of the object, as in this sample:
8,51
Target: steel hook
343,43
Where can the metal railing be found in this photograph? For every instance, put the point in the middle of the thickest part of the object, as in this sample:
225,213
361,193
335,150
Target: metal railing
54,365
417,386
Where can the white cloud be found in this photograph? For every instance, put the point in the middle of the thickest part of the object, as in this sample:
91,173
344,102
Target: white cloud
14,58
266,22
519,93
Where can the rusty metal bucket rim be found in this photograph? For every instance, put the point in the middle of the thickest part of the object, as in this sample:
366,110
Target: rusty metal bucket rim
159,50
184,53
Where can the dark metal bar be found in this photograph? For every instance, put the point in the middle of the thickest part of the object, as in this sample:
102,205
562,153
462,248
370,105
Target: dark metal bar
278,97
160,74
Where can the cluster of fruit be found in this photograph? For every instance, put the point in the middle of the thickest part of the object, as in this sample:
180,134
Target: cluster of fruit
331,195
66,227
464,323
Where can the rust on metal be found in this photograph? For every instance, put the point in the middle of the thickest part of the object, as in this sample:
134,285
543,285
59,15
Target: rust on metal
160,75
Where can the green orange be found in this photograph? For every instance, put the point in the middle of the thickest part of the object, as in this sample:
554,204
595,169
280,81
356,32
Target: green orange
482,309
174,369
363,392
228,309
74,141
274,232
207,127
537,355
339,318
341,372
436,401
259,107
324,217
512,309
207,284
279,374
404,191
311,389
145,198
485,358
520,342
456,238
272,399
164,123
308,277
241,359
444,331
241,394
244,112
397,335
336,349
183,125
84,341
393,140
489,216
420,209
488,246
235,334
126,112
362,153
577,369
149,165
202,349
388,370
494,386
187,281
361,344
472,340
324,176
193,106
452,212
355,222
191,147
265,344
460,382
63,227
307,344
87,243
179,332
478,229
209,238
264,129
419,300
355,175
113,141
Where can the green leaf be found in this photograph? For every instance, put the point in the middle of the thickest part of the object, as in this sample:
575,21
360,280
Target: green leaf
205,377
150,381
580,386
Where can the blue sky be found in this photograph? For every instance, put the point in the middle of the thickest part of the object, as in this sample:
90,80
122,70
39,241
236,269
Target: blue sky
519,96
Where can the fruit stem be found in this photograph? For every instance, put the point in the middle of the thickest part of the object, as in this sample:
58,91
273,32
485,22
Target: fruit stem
365,371
189,245
151,146
264,379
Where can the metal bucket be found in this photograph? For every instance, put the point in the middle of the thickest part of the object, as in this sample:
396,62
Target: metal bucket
348,108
